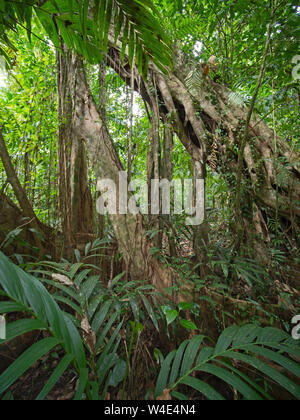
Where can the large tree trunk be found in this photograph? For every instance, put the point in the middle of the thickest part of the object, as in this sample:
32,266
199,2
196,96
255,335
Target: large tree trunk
129,230
210,123
11,218
20,192
75,196
154,164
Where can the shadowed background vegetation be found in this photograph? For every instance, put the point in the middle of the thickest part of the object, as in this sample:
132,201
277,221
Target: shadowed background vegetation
147,307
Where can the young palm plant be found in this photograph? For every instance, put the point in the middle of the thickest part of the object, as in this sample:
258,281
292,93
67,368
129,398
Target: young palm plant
94,355
24,293
264,349
102,316
99,312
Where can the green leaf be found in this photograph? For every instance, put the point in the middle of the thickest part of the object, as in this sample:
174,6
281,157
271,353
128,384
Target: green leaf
23,326
9,307
118,373
101,316
25,361
77,255
171,316
105,330
189,325
226,339
190,354
233,380
177,362
286,363
87,248
83,380
203,388
56,375
246,335
185,306
163,377
242,344
30,293
179,396
8,397
269,371
150,311
117,279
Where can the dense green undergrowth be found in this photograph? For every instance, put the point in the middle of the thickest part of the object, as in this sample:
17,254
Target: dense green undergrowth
99,330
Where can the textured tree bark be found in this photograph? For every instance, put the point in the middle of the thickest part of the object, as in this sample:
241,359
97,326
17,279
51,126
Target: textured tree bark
168,147
19,190
102,110
14,180
11,217
102,89
167,172
209,122
154,166
75,197
201,232
128,228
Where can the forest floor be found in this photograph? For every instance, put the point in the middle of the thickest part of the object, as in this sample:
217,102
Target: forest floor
217,312
32,382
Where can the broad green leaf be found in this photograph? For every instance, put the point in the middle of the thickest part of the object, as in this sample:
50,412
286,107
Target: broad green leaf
189,325
83,380
56,375
25,361
203,388
171,316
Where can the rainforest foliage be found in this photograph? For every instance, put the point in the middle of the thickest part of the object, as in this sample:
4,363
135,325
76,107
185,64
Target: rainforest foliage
147,306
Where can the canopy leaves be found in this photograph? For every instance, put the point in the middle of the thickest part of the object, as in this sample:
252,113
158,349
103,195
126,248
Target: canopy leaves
86,25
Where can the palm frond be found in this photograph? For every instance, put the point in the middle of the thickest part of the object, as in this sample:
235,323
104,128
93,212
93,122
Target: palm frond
27,294
87,25
250,346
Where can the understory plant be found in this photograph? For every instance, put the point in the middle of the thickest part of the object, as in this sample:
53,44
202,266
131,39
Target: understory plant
89,327
238,351
96,316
